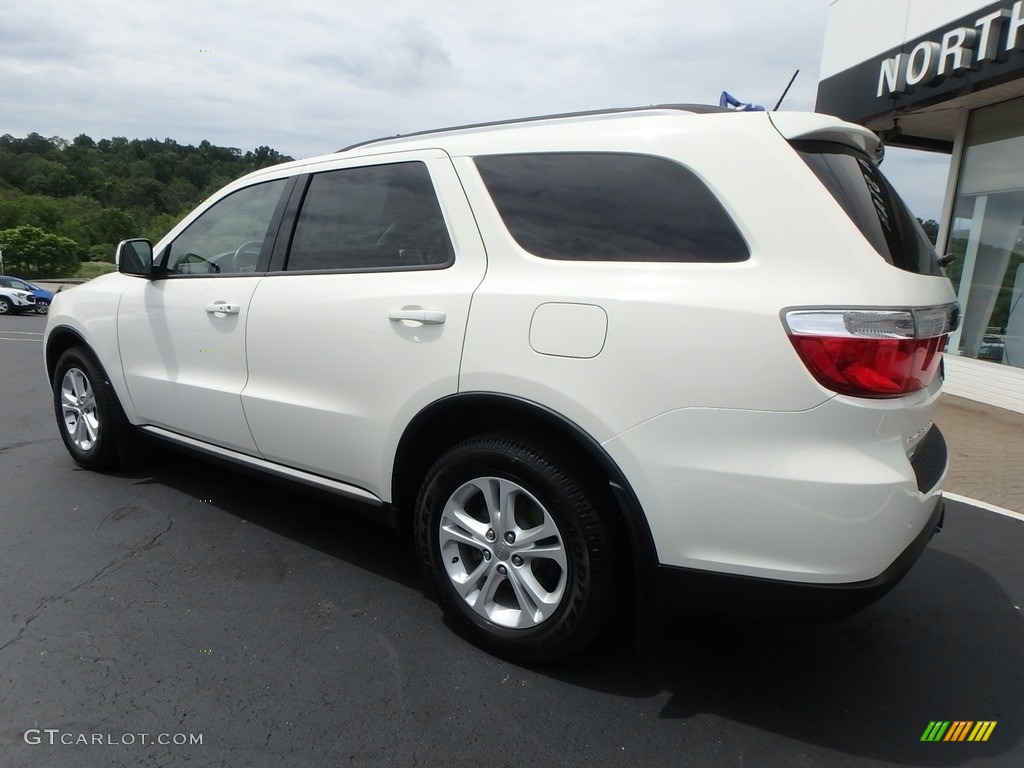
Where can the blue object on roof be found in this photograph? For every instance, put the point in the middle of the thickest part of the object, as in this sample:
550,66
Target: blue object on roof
728,101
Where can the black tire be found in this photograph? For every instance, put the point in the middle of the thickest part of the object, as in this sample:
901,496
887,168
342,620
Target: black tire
6,308
42,307
549,495
90,420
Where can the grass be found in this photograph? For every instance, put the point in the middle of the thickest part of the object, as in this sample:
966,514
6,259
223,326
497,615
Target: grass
91,269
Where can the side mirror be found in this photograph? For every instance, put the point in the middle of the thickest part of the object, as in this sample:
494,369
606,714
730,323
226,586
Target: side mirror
135,257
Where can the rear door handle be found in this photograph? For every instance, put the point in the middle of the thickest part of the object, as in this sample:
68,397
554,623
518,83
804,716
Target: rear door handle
222,308
425,316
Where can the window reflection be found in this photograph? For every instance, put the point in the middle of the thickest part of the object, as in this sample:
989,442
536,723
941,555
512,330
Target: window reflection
987,237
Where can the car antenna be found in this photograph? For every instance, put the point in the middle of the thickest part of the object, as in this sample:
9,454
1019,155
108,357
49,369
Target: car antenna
783,96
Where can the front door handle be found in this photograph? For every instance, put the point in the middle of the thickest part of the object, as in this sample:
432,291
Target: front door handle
222,308
425,316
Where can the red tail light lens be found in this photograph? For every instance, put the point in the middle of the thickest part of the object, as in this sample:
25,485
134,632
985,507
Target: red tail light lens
869,352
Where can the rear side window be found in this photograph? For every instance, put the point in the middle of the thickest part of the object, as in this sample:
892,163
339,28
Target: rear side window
376,217
872,204
609,207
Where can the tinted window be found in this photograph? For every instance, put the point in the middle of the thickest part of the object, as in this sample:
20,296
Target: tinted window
227,238
381,216
609,207
872,204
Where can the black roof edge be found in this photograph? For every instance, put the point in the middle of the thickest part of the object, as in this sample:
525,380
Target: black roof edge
698,109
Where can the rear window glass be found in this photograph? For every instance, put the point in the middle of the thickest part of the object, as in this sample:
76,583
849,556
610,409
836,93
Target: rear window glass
872,204
609,207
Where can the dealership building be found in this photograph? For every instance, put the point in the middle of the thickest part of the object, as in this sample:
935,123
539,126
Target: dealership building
948,76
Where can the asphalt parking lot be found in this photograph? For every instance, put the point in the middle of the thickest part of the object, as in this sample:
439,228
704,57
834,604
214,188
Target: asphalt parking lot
185,600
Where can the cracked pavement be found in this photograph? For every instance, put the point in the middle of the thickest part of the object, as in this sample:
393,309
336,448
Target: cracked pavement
184,598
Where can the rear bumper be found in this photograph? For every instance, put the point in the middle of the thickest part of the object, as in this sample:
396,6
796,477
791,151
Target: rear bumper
826,496
705,591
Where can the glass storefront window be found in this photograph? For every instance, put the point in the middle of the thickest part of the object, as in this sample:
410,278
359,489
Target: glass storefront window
987,237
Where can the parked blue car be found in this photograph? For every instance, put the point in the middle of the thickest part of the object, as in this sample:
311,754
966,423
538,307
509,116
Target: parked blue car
43,296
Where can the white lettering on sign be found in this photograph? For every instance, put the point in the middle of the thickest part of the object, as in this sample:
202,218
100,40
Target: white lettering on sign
923,64
1014,40
990,38
991,27
892,77
957,53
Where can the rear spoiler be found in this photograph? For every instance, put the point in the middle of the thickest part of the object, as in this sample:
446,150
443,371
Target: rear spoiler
807,125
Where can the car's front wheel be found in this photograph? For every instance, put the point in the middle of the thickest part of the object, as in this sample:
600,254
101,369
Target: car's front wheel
520,546
88,414
42,306
6,308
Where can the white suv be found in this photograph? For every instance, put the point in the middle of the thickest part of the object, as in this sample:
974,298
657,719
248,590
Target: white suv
585,360
15,300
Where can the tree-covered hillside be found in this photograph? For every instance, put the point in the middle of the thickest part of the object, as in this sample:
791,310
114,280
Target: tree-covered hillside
62,202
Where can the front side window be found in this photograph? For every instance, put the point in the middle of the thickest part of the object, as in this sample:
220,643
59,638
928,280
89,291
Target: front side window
376,217
229,237
872,204
592,206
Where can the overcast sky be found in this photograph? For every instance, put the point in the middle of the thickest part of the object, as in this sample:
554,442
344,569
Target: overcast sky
307,78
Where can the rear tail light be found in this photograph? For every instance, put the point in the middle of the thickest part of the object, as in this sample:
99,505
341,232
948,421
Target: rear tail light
871,352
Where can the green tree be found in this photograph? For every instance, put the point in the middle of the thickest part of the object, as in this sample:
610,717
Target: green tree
179,195
34,144
111,225
155,228
103,252
97,192
48,177
12,166
33,252
36,210
163,164
262,157
931,228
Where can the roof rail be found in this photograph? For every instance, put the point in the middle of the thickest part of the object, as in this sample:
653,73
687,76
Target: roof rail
699,109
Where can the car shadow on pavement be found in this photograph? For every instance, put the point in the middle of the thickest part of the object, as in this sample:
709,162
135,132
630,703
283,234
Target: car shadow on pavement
315,520
946,644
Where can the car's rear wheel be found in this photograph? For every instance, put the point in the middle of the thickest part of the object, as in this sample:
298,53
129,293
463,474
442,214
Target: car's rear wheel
88,415
519,544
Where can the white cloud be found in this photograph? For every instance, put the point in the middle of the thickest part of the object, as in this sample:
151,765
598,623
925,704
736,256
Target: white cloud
309,77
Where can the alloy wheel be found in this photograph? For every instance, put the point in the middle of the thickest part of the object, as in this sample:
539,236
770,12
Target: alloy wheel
503,552
78,407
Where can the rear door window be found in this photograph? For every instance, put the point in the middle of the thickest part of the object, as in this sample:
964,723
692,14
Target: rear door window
609,207
371,218
872,204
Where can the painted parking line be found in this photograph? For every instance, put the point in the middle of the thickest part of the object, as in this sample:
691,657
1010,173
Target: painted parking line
23,336
983,505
